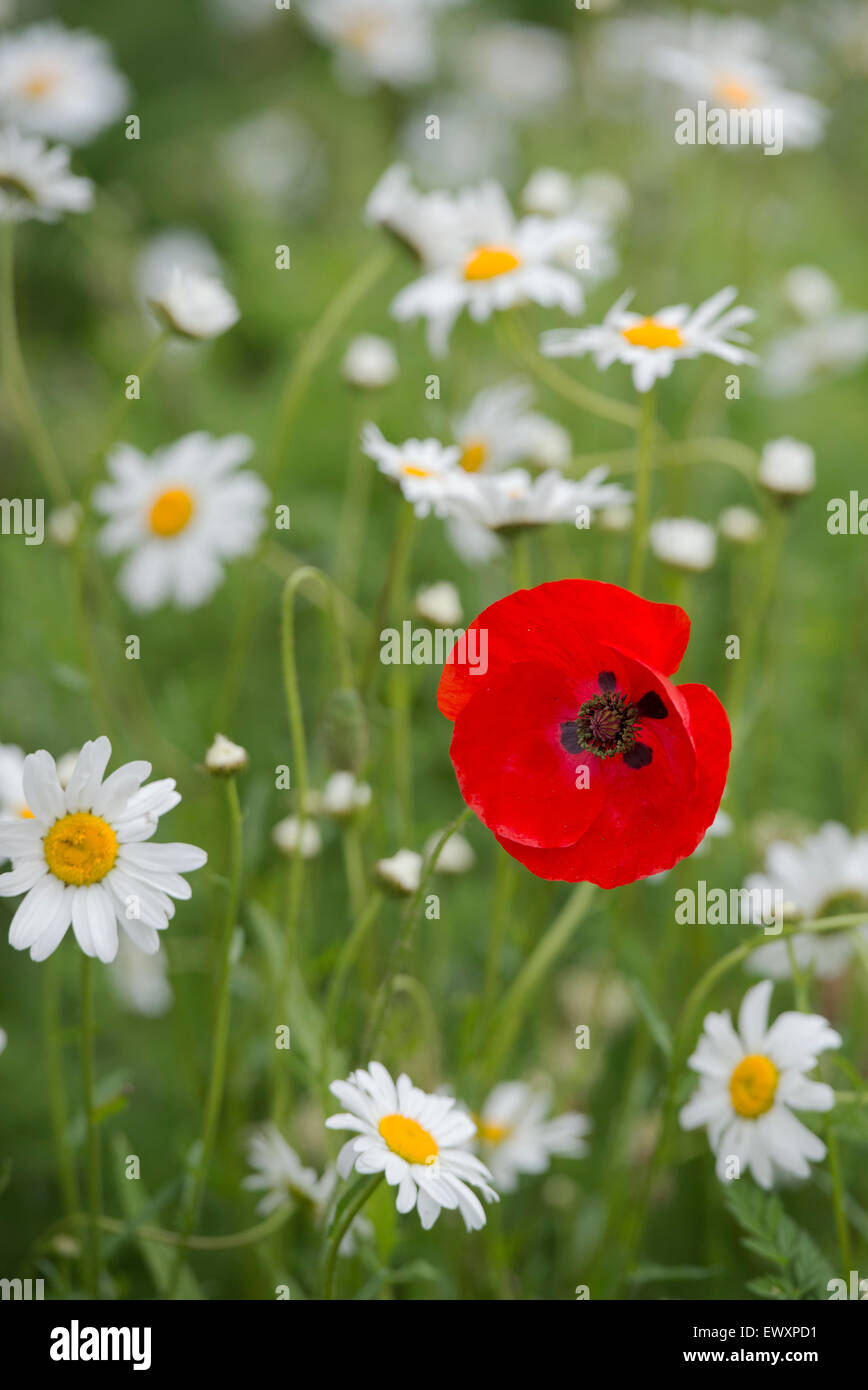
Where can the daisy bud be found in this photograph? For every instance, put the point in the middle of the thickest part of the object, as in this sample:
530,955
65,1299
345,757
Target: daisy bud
401,874
456,856
439,604
225,758
369,363
810,291
345,731
549,193
343,796
740,525
287,837
194,305
66,1246
64,523
787,468
684,543
616,519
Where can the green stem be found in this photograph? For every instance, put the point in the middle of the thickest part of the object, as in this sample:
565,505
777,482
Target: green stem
839,1200
56,1088
363,1191
643,492
346,958
217,1081
159,1236
94,1179
116,418
521,576
561,382
353,523
755,621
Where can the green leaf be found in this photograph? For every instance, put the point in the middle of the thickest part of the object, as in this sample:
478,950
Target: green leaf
654,1020
799,1268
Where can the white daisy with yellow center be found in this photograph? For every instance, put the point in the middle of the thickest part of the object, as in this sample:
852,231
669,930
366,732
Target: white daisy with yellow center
500,428
652,344
514,1134
418,1141
82,857
485,259
60,83
180,514
420,467
752,1081
35,180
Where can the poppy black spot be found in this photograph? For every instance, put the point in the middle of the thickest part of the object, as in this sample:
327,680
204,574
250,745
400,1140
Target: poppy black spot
638,756
651,706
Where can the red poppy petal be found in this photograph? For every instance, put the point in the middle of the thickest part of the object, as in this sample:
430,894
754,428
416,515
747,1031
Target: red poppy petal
547,624
511,766
645,835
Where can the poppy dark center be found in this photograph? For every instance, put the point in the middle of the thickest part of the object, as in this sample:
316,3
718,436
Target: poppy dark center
609,724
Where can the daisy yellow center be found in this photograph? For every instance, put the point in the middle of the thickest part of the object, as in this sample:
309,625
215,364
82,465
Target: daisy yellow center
408,1139
733,92
487,262
40,84
648,333
491,1133
752,1086
80,848
171,512
411,471
25,813
473,456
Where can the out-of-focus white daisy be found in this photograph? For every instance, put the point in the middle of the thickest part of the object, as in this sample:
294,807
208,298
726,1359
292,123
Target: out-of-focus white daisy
288,835
343,796
369,363
522,68
480,508
464,147
740,525
485,259
652,345
684,543
224,758
418,1141
599,196
81,857
35,180
439,604
175,248
787,467
182,513
825,874
499,428
810,291
514,1134
275,156
60,83
752,1081
400,873
829,346
194,305
616,519
13,803
278,1172
419,466
141,981
456,856
389,41
722,60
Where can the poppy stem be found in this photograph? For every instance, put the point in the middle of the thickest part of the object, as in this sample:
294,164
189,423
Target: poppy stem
643,492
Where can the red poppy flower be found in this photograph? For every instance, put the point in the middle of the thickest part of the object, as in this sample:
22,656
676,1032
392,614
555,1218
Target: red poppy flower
573,746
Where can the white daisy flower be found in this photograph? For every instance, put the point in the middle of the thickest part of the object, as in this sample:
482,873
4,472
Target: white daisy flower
484,260
418,1141
684,543
515,1136
722,60
740,525
181,514
343,796
499,428
35,180
174,249
401,873
825,874
369,363
439,604
194,305
480,508
752,1081
652,346
420,467
830,346
59,83
389,41
82,857
456,856
278,1171
810,291
140,981
787,467
288,835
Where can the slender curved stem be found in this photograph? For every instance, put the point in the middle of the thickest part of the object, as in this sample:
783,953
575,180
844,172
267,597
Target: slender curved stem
348,954
94,1177
235,1241
51,1021
365,1188
643,493
594,402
